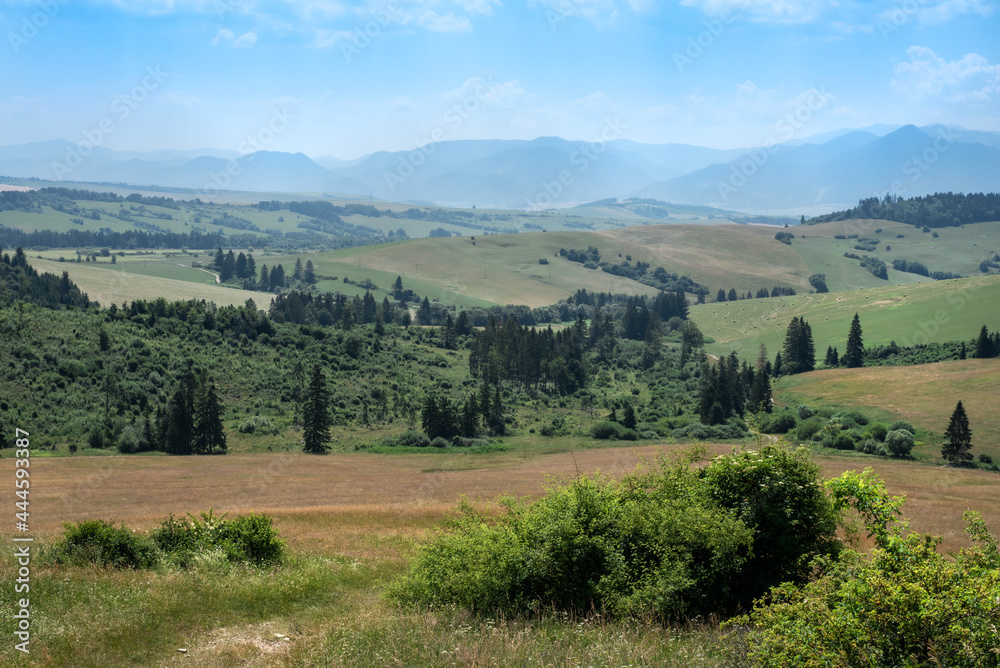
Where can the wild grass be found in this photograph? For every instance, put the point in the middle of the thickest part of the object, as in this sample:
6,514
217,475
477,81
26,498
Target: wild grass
924,395
352,522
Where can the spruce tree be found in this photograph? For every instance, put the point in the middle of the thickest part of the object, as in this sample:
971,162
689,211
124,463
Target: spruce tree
309,276
760,391
854,354
959,435
629,420
208,431
984,345
316,415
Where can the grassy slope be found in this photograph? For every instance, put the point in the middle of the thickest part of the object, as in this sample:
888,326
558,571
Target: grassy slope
909,314
106,285
924,395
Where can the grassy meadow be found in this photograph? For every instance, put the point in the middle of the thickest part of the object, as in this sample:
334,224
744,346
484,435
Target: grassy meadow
934,311
924,395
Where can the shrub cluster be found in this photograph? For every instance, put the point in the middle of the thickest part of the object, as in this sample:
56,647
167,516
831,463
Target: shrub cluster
905,604
247,538
671,541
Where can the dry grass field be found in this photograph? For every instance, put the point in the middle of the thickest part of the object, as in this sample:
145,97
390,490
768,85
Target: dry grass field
372,506
352,521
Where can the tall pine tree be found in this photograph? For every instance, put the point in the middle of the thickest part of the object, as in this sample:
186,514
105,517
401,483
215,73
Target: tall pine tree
209,435
316,415
854,354
959,435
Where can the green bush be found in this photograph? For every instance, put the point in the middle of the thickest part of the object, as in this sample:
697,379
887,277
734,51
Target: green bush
440,442
606,429
413,439
778,493
899,443
872,447
247,538
809,428
804,412
675,542
857,417
779,423
903,605
99,542
842,441
902,424
876,430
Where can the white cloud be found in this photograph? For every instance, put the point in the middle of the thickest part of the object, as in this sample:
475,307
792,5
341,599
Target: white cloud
446,23
490,95
950,9
764,11
927,75
225,37
657,112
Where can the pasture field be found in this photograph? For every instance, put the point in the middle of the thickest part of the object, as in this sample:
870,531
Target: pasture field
934,311
106,285
923,394
352,521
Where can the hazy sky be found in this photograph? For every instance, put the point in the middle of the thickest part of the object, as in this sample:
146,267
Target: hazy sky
345,78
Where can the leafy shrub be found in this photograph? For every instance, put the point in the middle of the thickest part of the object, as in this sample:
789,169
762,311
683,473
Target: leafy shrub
858,418
778,493
257,424
843,441
899,443
779,423
99,542
606,429
804,412
903,605
440,442
870,446
674,541
877,431
901,424
247,538
412,439
985,458
809,428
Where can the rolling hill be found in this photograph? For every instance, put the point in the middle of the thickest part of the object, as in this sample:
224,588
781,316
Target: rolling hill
833,170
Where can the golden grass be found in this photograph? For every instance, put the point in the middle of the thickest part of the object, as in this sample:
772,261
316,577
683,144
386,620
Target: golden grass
924,394
363,505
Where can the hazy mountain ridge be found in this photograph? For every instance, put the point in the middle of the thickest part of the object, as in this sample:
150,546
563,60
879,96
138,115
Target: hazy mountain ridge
836,168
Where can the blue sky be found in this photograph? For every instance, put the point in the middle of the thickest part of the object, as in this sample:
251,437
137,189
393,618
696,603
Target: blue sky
346,78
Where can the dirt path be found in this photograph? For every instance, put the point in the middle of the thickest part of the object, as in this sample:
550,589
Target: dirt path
204,270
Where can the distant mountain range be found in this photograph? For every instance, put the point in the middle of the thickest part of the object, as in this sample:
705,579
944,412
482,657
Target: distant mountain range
835,169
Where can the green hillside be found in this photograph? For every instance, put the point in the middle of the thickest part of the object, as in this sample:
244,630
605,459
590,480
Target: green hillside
924,395
936,311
